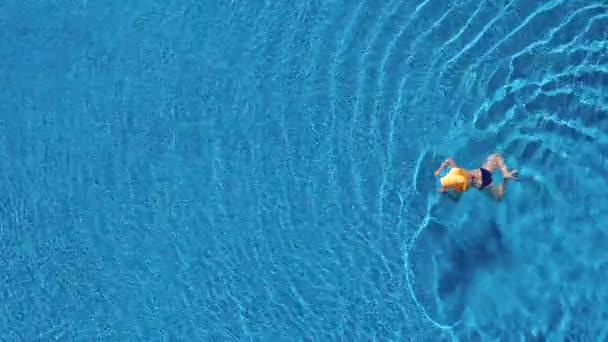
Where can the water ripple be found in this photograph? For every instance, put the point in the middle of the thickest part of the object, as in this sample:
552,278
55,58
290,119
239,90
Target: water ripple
263,170
545,108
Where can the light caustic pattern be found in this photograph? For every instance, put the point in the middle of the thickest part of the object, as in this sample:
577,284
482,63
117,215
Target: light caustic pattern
252,170
530,80
383,81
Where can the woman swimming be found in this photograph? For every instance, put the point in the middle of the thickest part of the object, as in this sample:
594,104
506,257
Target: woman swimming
459,179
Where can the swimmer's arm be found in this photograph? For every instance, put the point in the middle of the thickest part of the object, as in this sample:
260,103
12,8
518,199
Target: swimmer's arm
448,161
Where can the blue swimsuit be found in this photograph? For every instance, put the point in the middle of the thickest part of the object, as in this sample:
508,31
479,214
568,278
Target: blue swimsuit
486,178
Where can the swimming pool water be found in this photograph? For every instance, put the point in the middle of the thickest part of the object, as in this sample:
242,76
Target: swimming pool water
262,171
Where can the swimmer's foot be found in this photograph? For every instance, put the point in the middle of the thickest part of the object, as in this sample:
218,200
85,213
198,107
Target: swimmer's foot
511,175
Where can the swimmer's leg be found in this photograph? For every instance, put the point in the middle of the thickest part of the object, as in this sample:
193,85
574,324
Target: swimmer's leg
490,163
498,191
493,161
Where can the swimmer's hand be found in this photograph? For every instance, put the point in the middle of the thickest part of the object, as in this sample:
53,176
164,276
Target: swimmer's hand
448,161
441,190
510,175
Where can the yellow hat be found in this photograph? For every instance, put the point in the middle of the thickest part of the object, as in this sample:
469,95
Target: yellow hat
456,179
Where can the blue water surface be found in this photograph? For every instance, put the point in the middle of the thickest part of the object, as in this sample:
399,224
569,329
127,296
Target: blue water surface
262,170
